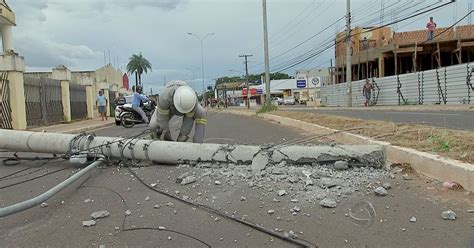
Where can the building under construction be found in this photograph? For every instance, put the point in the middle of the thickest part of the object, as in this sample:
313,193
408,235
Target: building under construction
381,52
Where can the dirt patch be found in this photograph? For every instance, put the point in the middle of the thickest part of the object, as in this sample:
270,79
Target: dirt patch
455,144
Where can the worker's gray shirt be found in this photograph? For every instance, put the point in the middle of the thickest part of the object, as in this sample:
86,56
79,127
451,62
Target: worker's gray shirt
165,110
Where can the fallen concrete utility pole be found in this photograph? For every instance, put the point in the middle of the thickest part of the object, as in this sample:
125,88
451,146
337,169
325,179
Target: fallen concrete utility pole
178,153
21,206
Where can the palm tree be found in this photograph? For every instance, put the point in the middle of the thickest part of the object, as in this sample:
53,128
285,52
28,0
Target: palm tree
138,64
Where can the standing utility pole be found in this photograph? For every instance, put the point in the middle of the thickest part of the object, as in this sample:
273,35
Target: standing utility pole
267,60
348,54
247,76
202,61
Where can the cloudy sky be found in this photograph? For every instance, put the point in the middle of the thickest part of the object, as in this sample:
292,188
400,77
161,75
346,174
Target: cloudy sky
77,33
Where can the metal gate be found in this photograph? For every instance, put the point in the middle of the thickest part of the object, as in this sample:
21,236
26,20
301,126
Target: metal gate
5,110
78,101
43,100
112,102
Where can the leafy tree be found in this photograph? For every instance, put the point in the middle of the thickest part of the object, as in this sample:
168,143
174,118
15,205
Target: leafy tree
138,65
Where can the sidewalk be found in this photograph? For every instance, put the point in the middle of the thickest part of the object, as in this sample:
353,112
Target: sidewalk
464,107
76,127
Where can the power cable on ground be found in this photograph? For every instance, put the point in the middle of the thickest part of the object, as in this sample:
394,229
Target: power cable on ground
298,242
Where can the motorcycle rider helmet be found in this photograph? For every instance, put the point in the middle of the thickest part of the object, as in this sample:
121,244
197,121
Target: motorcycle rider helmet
184,99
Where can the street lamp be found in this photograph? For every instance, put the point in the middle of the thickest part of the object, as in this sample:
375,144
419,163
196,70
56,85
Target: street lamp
201,40
192,71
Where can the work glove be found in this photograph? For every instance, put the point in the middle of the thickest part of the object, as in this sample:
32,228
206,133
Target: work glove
182,138
167,136
156,134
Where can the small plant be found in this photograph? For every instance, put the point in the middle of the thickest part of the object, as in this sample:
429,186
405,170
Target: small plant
322,105
441,144
268,107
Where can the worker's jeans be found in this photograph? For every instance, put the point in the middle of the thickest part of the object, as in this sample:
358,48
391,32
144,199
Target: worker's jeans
142,114
430,35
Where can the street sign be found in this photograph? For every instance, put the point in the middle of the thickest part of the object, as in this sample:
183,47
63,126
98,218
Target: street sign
316,81
301,83
259,91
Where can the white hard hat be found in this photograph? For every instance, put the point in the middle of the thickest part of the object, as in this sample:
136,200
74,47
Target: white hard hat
184,99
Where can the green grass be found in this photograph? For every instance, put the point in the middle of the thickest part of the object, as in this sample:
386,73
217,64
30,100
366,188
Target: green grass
442,145
267,108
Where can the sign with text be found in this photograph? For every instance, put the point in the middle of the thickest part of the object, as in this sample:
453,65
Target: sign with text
301,83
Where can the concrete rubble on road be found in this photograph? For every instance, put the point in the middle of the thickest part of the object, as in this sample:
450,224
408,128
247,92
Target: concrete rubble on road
309,181
100,214
88,223
448,215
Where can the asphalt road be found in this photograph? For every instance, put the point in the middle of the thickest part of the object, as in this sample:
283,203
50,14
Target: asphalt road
60,224
449,119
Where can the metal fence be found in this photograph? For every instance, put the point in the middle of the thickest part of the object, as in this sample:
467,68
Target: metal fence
78,101
447,85
5,110
43,100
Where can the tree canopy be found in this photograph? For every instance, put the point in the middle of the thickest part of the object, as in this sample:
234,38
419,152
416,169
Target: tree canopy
138,65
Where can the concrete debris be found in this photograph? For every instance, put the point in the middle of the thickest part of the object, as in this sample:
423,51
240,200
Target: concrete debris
259,162
87,200
63,202
147,198
188,180
128,212
329,182
44,204
279,171
448,215
328,203
217,182
169,204
452,185
161,228
381,191
153,185
157,206
387,186
117,228
413,219
100,214
271,211
341,165
294,200
407,177
281,192
88,223
101,246
181,177
296,209
470,211
243,198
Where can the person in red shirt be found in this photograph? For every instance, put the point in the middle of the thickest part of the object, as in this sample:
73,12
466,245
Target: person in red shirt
431,26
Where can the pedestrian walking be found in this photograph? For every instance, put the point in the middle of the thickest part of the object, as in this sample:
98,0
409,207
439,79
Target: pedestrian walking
367,91
431,26
101,103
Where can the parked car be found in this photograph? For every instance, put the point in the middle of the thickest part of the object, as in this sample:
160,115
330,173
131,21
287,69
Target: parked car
290,100
277,101
121,101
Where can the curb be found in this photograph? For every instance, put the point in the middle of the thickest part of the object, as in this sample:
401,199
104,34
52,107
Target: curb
433,166
89,128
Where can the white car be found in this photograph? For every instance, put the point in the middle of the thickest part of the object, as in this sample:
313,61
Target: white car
290,100
118,111
277,101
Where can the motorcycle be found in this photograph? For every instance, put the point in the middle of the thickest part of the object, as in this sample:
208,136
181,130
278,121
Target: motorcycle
129,117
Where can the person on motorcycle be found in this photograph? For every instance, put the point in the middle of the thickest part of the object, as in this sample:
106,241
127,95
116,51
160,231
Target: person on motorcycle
137,101
177,98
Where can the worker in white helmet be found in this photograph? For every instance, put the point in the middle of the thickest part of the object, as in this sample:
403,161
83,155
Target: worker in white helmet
177,98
